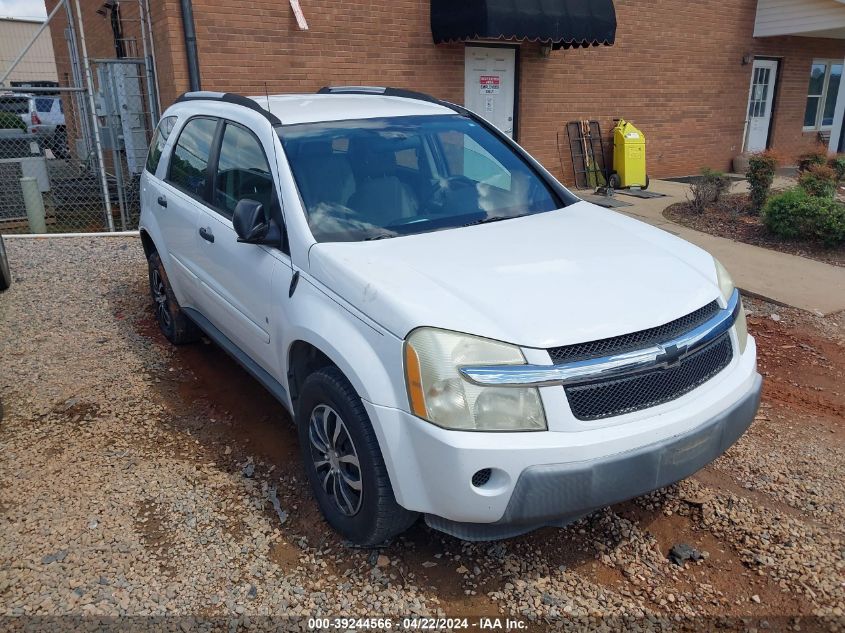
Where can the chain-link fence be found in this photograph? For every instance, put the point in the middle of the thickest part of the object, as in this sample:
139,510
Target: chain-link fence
71,155
49,169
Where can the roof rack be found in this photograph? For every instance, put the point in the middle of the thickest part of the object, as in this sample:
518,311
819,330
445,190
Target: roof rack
384,91
230,97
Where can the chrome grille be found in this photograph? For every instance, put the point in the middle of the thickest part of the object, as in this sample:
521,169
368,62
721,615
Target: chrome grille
635,340
604,399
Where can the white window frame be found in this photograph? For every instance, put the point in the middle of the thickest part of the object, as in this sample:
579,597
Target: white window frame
828,63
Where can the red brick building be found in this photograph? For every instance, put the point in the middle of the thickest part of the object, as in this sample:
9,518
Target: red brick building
702,79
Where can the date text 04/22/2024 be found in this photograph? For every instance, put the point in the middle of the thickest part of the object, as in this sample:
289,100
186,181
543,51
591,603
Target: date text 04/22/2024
417,624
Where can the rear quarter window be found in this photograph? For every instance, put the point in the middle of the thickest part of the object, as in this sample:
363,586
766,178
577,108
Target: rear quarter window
16,105
43,104
160,136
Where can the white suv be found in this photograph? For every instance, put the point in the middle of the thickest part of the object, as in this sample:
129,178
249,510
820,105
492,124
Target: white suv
454,332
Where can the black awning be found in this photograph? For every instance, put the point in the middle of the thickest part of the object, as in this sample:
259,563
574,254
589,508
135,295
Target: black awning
562,23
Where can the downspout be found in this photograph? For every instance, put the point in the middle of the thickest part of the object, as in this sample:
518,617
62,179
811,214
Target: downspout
190,44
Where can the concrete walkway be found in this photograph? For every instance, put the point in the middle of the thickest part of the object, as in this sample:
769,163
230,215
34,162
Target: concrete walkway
786,279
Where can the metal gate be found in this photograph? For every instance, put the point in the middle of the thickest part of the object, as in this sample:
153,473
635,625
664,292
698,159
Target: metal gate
71,154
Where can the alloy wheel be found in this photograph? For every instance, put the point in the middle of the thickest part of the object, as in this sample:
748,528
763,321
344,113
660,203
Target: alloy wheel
162,306
335,459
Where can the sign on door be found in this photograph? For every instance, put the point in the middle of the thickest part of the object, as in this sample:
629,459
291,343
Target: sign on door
489,84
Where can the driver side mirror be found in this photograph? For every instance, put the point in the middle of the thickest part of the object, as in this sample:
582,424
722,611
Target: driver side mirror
252,225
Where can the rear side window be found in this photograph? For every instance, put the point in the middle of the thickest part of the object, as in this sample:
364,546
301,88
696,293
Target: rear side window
189,162
16,105
44,104
165,127
242,171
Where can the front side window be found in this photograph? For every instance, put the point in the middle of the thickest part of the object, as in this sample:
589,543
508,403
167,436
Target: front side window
189,162
825,77
242,171
377,178
165,127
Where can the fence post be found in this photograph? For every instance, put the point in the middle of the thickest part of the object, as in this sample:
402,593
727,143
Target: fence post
93,112
34,204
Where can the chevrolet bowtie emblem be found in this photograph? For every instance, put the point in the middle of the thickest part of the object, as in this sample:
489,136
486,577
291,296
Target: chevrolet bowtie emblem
670,355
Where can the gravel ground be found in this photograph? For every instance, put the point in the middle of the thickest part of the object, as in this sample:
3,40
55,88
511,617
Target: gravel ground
138,479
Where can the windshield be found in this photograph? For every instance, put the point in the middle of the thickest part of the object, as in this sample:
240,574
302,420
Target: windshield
379,178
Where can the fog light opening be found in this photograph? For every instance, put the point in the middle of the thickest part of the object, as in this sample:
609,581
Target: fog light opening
481,477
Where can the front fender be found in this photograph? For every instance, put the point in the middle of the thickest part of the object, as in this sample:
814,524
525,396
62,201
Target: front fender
368,355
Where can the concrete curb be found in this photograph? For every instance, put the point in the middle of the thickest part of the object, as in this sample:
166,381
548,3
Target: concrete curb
38,236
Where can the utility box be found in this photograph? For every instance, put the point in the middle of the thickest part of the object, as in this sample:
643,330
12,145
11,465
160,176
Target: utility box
628,157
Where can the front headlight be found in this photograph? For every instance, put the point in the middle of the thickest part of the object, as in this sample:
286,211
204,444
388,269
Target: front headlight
726,285
438,393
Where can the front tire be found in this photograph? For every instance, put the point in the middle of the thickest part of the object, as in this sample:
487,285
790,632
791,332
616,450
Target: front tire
344,463
172,321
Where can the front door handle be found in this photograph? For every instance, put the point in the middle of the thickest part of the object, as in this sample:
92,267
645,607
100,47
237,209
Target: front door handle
162,201
206,234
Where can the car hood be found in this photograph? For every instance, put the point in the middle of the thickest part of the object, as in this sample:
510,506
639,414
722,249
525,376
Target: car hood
576,274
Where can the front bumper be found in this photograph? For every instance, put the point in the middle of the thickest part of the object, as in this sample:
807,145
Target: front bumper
557,494
431,469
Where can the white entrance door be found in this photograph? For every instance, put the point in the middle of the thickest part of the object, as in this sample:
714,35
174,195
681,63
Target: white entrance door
489,84
760,101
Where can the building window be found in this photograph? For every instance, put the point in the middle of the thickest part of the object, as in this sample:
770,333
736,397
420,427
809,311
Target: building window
825,76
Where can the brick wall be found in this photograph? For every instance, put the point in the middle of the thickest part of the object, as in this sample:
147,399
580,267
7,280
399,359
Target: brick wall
675,70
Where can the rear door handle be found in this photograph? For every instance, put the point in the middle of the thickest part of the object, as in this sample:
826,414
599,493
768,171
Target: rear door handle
206,234
162,201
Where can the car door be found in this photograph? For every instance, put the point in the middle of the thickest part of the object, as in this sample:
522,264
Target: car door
236,279
176,201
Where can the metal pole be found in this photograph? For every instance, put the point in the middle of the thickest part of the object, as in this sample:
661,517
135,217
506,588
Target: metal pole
26,48
34,204
76,72
153,55
190,44
99,146
152,78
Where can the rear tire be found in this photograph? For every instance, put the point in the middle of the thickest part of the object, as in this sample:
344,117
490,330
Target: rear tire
344,463
5,273
172,321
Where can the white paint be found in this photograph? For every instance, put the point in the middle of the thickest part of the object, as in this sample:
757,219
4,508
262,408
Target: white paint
575,274
307,108
489,84
760,100
300,16
814,18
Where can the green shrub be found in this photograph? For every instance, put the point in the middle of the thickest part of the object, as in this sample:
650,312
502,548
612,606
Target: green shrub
816,157
795,214
761,175
10,121
838,165
819,181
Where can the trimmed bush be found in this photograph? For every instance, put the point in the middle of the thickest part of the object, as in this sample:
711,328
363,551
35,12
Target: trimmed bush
819,181
9,121
761,175
795,214
811,159
838,165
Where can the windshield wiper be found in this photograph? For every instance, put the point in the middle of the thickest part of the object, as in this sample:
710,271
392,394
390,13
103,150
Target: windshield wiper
379,236
493,218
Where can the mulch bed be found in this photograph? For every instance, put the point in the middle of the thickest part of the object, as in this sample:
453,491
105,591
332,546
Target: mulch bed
729,218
